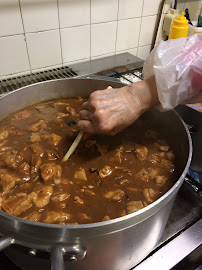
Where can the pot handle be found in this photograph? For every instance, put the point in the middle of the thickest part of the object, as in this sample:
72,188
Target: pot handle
70,253
57,259
6,242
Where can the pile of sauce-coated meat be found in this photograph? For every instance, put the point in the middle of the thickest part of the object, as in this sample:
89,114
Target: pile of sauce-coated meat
106,177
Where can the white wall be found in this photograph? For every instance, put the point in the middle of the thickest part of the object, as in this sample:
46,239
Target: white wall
42,34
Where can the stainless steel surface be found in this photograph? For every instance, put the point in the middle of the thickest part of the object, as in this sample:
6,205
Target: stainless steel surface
6,242
187,209
106,63
116,244
175,251
57,259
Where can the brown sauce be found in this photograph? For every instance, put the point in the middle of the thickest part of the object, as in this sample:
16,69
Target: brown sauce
106,177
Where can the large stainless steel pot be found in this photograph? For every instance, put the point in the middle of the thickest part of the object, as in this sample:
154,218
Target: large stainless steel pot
117,244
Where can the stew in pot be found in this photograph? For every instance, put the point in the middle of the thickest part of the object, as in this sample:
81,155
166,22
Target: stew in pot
105,178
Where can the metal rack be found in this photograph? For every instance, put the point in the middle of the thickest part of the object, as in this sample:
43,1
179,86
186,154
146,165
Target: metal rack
11,84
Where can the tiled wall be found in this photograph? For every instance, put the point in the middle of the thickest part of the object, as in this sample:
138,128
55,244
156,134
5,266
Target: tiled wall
42,34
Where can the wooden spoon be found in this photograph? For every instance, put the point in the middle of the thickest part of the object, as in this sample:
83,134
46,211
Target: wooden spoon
73,146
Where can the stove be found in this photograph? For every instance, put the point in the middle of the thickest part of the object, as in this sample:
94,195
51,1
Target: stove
181,244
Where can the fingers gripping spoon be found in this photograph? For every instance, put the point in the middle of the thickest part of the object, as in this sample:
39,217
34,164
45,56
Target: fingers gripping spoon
75,143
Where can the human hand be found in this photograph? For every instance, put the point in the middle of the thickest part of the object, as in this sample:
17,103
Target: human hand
111,110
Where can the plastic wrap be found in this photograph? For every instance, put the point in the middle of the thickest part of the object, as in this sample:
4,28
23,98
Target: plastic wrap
177,67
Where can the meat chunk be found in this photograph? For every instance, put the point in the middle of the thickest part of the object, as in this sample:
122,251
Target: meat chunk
124,181
15,205
81,174
24,169
164,148
89,143
118,156
60,103
52,155
12,159
162,145
105,171
102,149
40,107
85,217
34,216
160,180
71,111
133,189
36,163
37,150
35,137
3,143
149,194
61,115
15,131
4,134
114,195
153,172
170,155
60,197
106,218
142,175
8,180
54,139
134,206
22,114
56,217
25,187
51,171
78,200
154,158
38,125
89,192
141,152
5,149
11,162
167,164
43,195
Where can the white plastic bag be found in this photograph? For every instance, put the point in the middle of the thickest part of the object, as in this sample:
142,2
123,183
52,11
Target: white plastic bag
177,66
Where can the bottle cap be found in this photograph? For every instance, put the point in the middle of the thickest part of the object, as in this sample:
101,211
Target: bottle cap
180,21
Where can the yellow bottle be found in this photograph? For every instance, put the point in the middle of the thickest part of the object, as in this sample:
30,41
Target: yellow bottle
179,28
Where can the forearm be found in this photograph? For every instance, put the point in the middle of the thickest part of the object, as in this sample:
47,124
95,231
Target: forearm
143,94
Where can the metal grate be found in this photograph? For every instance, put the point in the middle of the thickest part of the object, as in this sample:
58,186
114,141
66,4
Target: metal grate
11,84
123,74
